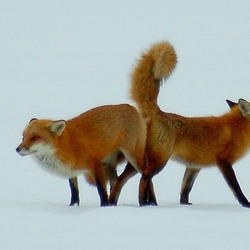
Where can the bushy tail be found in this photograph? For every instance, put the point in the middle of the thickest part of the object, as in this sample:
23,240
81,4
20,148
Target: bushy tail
154,66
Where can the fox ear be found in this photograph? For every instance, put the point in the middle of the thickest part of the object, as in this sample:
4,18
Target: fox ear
231,104
33,119
57,127
244,107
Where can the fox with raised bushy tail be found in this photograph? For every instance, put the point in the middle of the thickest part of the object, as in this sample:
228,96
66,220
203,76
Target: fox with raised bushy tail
198,142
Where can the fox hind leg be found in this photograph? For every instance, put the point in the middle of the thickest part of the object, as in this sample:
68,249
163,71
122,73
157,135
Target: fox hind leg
128,173
145,187
151,198
111,175
187,184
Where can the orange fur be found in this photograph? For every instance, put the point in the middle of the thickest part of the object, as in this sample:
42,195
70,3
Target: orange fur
100,137
203,141
197,142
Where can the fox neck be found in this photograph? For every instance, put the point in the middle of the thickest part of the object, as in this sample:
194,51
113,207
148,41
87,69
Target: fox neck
52,164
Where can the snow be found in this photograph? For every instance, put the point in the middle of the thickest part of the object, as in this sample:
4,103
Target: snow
60,58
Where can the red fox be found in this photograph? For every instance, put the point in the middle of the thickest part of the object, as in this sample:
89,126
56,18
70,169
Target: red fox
197,142
87,144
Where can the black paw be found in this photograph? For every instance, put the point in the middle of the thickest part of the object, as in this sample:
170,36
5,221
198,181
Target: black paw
74,202
185,202
247,205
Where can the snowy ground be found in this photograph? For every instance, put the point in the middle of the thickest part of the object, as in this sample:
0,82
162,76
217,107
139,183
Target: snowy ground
60,58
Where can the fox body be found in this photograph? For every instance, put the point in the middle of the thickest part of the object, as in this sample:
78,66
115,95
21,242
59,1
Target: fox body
202,142
197,142
88,144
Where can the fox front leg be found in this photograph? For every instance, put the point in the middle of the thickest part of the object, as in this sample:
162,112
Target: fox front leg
73,183
230,177
100,180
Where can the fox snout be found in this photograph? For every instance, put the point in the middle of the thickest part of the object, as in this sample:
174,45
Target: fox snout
22,151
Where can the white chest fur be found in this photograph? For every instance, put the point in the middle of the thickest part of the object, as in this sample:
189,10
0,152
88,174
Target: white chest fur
50,163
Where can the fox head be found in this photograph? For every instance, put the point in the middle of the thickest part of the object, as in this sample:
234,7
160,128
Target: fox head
38,136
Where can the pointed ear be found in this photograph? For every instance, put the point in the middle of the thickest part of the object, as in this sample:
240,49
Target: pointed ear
244,107
57,127
231,104
33,119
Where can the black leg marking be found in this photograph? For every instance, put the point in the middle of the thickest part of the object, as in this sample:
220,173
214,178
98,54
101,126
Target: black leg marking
187,184
111,176
230,177
151,198
145,189
73,183
102,193
128,173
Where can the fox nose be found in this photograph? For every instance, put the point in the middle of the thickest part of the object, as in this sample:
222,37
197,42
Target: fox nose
18,149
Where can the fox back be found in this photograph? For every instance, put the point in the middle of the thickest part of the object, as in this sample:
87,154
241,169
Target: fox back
204,141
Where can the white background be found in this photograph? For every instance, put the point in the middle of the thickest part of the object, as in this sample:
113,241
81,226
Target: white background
61,58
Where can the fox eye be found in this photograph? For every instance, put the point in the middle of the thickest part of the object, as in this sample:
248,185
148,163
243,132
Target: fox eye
34,137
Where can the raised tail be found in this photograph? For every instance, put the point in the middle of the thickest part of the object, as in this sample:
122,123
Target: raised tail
154,66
